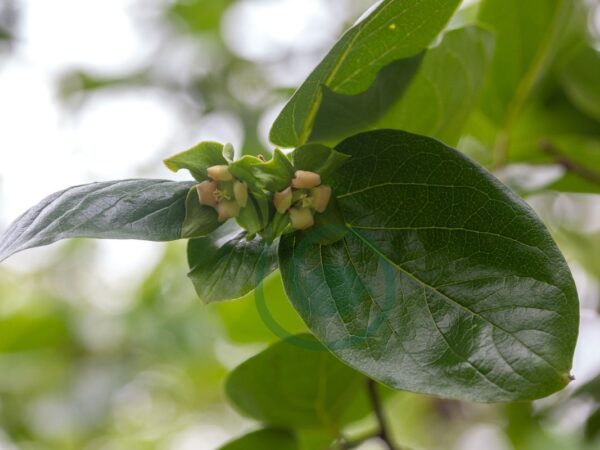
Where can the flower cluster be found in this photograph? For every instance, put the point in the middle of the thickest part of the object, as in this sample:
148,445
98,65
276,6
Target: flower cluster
305,196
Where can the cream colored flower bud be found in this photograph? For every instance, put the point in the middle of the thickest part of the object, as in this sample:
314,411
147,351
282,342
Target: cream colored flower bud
283,200
227,209
320,197
301,218
306,180
219,173
206,193
240,193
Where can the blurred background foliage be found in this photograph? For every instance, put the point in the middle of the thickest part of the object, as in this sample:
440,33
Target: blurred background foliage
103,345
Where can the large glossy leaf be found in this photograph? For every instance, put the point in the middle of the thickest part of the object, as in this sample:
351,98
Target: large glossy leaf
151,210
396,29
443,92
225,265
295,383
447,283
268,439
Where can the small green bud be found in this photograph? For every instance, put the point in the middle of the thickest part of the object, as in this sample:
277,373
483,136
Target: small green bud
283,200
301,218
219,173
227,209
240,193
306,180
320,196
206,193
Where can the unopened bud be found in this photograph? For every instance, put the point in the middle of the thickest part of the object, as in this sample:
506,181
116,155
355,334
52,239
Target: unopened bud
227,209
306,180
301,218
283,200
240,193
206,193
219,173
320,197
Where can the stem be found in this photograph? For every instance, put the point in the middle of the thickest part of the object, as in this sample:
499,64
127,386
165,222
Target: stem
570,165
383,433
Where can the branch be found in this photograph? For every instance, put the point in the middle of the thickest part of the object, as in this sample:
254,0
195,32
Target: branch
570,165
384,433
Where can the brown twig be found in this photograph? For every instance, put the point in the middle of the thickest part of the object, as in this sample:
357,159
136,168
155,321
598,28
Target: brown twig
383,433
572,166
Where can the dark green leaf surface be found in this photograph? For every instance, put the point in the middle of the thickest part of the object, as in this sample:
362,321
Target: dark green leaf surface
197,159
151,210
396,29
447,283
295,383
447,87
268,439
226,266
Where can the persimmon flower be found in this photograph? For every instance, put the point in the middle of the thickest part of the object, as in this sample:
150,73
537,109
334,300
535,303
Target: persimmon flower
305,196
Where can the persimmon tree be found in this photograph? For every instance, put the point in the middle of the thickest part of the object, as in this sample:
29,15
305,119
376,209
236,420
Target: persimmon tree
413,266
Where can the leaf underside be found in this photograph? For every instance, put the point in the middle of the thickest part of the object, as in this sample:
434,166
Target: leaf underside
447,283
151,210
225,265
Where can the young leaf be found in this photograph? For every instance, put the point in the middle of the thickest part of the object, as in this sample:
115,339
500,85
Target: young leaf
226,266
197,159
267,439
295,383
255,216
447,283
318,158
200,220
272,175
396,29
151,210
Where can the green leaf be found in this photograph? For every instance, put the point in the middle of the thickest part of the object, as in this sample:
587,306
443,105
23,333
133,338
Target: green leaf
197,159
528,37
295,383
151,210
268,439
396,29
447,87
226,266
273,175
200,220
318,158
580,77
436,102
447,283
340,114
255,216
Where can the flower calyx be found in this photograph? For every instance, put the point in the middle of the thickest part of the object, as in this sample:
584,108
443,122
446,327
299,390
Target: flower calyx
222,192
302,199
